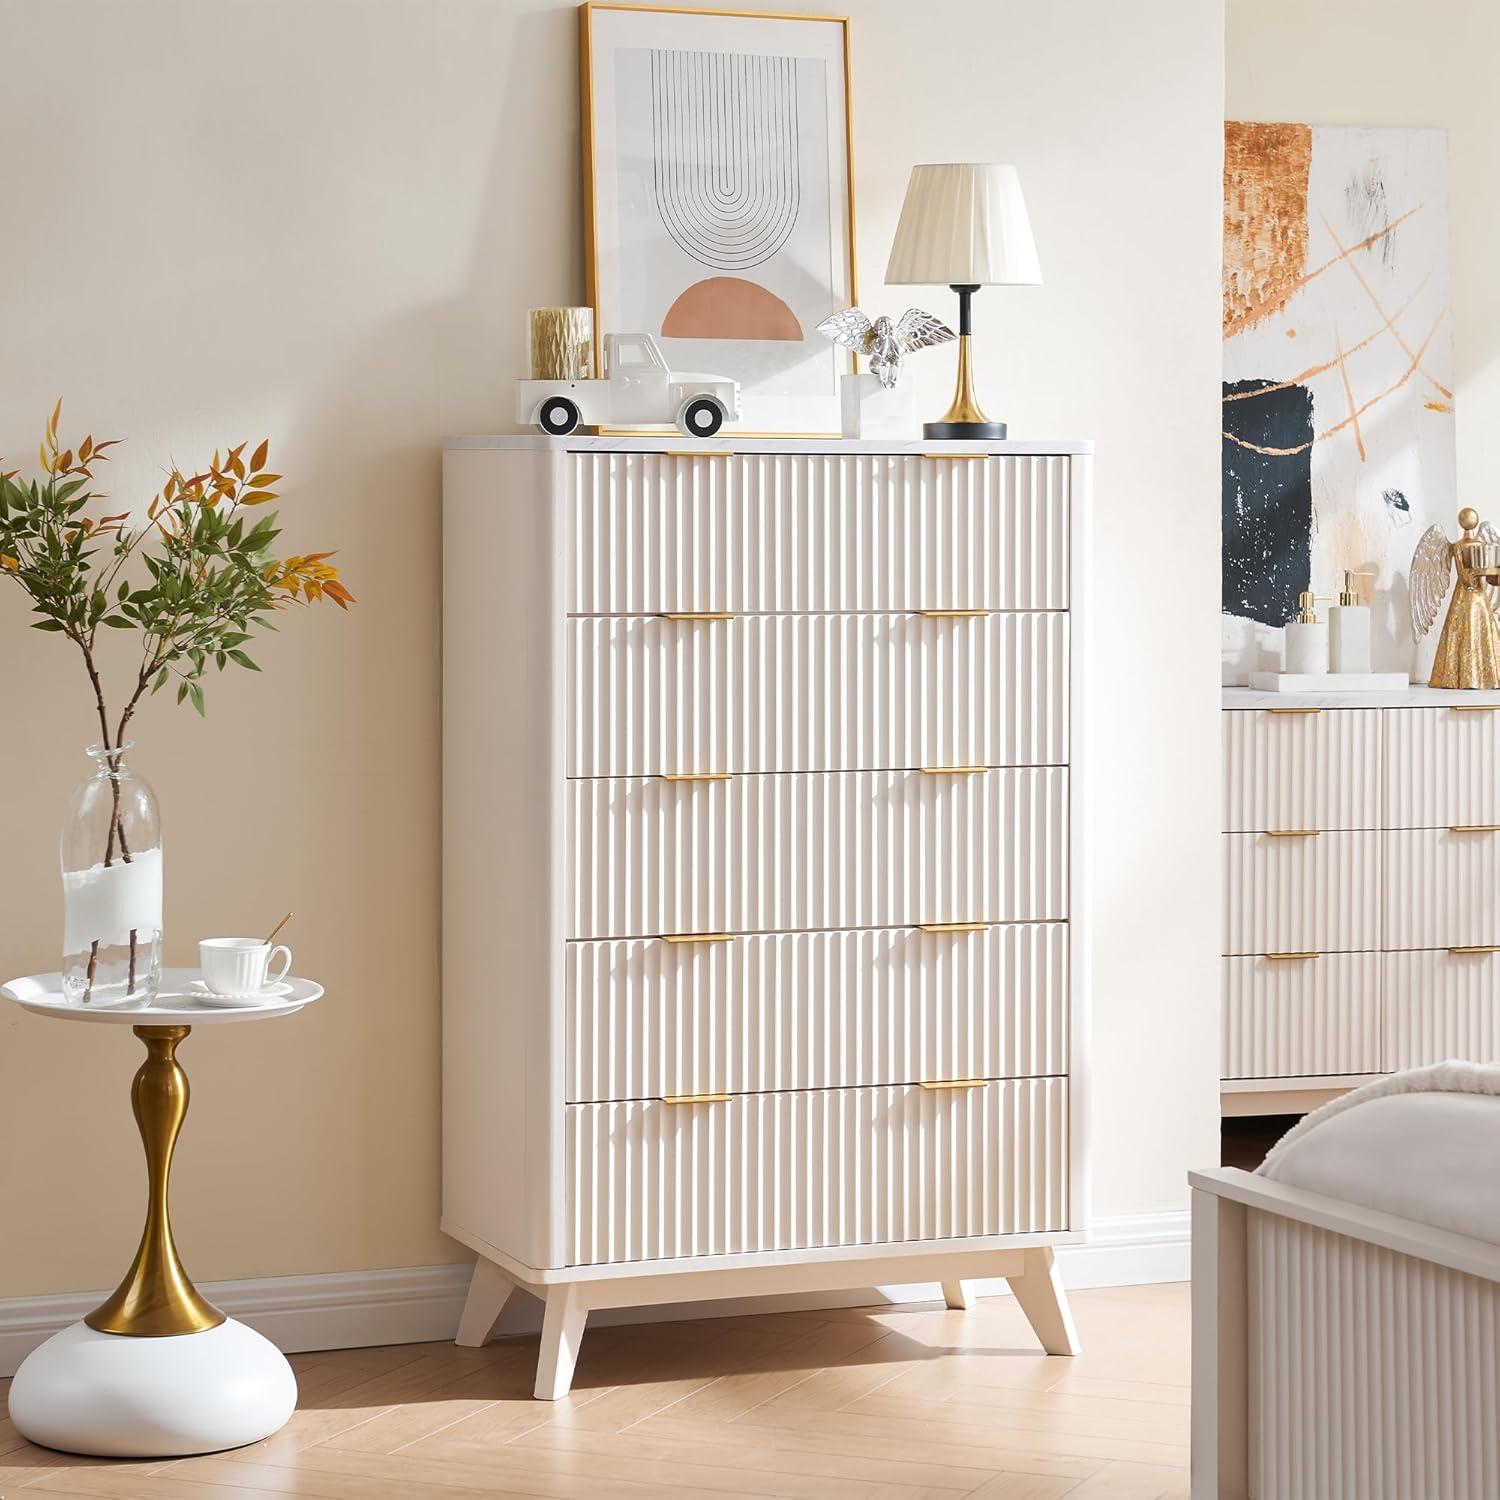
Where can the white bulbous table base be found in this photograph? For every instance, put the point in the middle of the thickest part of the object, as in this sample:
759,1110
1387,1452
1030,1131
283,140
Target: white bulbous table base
119,1397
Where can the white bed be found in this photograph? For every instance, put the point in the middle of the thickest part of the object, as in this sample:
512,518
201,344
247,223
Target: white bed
1346,1301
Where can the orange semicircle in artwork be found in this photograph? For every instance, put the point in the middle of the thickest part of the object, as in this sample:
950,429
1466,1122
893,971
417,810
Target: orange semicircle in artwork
729,307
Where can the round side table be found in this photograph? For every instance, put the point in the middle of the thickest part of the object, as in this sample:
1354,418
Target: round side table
155,1371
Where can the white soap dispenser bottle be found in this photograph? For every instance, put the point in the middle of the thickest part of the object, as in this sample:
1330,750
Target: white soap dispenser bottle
1307,640
1349,629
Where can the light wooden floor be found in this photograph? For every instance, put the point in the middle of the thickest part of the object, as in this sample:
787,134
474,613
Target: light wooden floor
858,1404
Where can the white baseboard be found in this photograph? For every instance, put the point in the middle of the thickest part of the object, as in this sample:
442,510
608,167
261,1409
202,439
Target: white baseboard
421,1304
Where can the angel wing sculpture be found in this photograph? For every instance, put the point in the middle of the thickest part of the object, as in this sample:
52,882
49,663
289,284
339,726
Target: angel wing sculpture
884,343
1468,652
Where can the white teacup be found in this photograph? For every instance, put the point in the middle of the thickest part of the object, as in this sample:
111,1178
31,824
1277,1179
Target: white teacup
240,967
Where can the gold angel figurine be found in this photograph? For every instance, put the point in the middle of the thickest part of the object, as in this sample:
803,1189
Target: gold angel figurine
1468,653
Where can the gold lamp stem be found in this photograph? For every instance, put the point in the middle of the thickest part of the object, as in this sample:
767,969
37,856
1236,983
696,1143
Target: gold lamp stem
156,1299
965,405
965,418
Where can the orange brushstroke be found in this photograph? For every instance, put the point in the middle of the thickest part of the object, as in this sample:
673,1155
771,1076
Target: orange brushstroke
1369,291
1359,438
1390,390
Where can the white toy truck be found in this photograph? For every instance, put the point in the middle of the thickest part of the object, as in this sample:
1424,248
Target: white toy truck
637,387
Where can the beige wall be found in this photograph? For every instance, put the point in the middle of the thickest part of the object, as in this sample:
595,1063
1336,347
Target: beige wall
1388,62
323,220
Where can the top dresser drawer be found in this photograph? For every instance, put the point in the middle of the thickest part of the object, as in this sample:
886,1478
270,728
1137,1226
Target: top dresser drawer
788,532
1442,766
1286,769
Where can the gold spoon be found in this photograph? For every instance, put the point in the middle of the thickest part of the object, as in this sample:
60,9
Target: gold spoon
277,928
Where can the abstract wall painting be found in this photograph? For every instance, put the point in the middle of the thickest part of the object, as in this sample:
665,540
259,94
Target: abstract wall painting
1338,375
718,197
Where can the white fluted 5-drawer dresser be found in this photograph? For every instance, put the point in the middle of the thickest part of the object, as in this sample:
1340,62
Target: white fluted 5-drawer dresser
764,930
1362,889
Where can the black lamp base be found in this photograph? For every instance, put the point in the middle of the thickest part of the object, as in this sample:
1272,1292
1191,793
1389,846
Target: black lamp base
974,432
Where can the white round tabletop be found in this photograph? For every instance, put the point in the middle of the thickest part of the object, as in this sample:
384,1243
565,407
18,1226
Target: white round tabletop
177,1003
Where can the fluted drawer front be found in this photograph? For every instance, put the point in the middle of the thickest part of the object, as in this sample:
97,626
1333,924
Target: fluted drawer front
815,1011
1441,888
1440,1005
1292,1018
794,1171
1301,770
1317,894
818,852
1442,766
816,693
835,531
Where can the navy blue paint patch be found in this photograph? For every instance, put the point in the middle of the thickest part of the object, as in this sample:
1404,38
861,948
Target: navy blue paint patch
1267,500
1397,501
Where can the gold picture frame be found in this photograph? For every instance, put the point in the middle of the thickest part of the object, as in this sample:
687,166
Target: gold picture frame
766,411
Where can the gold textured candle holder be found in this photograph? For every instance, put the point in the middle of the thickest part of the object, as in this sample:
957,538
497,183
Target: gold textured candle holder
562,343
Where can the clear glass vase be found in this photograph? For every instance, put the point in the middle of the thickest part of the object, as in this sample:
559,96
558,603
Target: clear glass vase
111,875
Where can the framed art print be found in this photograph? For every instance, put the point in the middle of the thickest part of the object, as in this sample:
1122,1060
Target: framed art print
719,197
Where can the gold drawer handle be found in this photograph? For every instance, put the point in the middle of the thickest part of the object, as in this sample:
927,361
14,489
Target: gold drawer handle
953,926
954,770
956,1083
696,1098
697,775
1474,708
1475,828
1292,833
1476,948
960,457
1288,957
1294,710
954,614
697,937
696,614
700,453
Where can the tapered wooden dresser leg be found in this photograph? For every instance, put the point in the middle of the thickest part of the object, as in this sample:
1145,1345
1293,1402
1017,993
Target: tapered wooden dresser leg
562,1332
958,1295
1040,1293
489,1291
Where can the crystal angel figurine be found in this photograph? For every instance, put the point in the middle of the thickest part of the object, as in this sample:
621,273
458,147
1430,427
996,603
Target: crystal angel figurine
884,343
1468,652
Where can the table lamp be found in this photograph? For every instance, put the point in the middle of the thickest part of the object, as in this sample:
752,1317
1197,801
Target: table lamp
963,224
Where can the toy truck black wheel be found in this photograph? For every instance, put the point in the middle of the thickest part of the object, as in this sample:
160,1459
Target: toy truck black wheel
558,416
701,417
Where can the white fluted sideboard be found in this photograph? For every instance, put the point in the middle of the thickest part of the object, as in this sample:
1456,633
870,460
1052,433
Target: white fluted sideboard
764,914
1361,920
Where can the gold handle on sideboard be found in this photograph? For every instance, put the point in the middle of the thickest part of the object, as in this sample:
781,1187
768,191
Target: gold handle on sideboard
954,614
1474,708
697,937
696,1098
700,453
954,770
955,1083
1476,948
953,926
1289,957
697,775
695,614
1294,710
1475,828
1292,833
960,457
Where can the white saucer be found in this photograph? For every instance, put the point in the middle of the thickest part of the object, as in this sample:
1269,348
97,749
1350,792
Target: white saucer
205,996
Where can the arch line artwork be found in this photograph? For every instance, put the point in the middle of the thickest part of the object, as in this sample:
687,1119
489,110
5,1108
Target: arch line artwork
725,154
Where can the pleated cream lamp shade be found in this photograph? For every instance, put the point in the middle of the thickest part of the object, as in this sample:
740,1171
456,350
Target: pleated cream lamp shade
964,225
